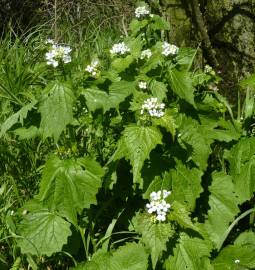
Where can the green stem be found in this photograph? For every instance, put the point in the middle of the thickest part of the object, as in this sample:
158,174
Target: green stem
233,224
82,233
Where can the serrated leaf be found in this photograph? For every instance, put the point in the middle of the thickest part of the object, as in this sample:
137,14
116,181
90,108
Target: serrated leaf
27,133
167,121
159,23
95,98
154,235
185,57
180,214
158,89
135,145
69,186
56,109
242,168
181,84
227,259
152,63
186,185
191,139
17,117
132,256
43,233
189,253
246,238
121,64
248,82
98,99
136,25
223,207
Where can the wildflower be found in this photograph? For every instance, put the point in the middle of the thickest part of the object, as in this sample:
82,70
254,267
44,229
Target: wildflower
208,69
146,54
141,12
158,205
92,68
153,107
169,49
119,48
237,261
50,41
58,53
142,85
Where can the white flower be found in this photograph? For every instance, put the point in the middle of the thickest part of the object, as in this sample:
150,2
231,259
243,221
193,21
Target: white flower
141,12
158,205
208,69
58,53
237,261
142,85
169,49
153,107
50,41
119,48
92,68
146,54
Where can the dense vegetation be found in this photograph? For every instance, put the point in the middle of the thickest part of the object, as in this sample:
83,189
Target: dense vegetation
124,158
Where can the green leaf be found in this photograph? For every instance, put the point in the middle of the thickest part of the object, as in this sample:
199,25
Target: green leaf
228,256
98,99
159,23
180,214
242,168
186,185
158,89
27,133
121,64
56,109
17,117
190,253
167,121
42,233
191,139
181,84
246,238
186,57
223,207
248,82
137,25
154,235
132,256
152,63
69,186
95,98
135,145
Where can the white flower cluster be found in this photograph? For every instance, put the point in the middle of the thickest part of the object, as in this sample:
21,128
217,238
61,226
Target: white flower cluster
153,107
158,205
141,12
169,49
119,48
92,68
142,85
58,53
146,54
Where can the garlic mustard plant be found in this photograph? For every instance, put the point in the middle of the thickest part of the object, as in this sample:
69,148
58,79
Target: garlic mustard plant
119,48
169,49
57,54
158,205
142,85
153,107
146,54
141,12
92,68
